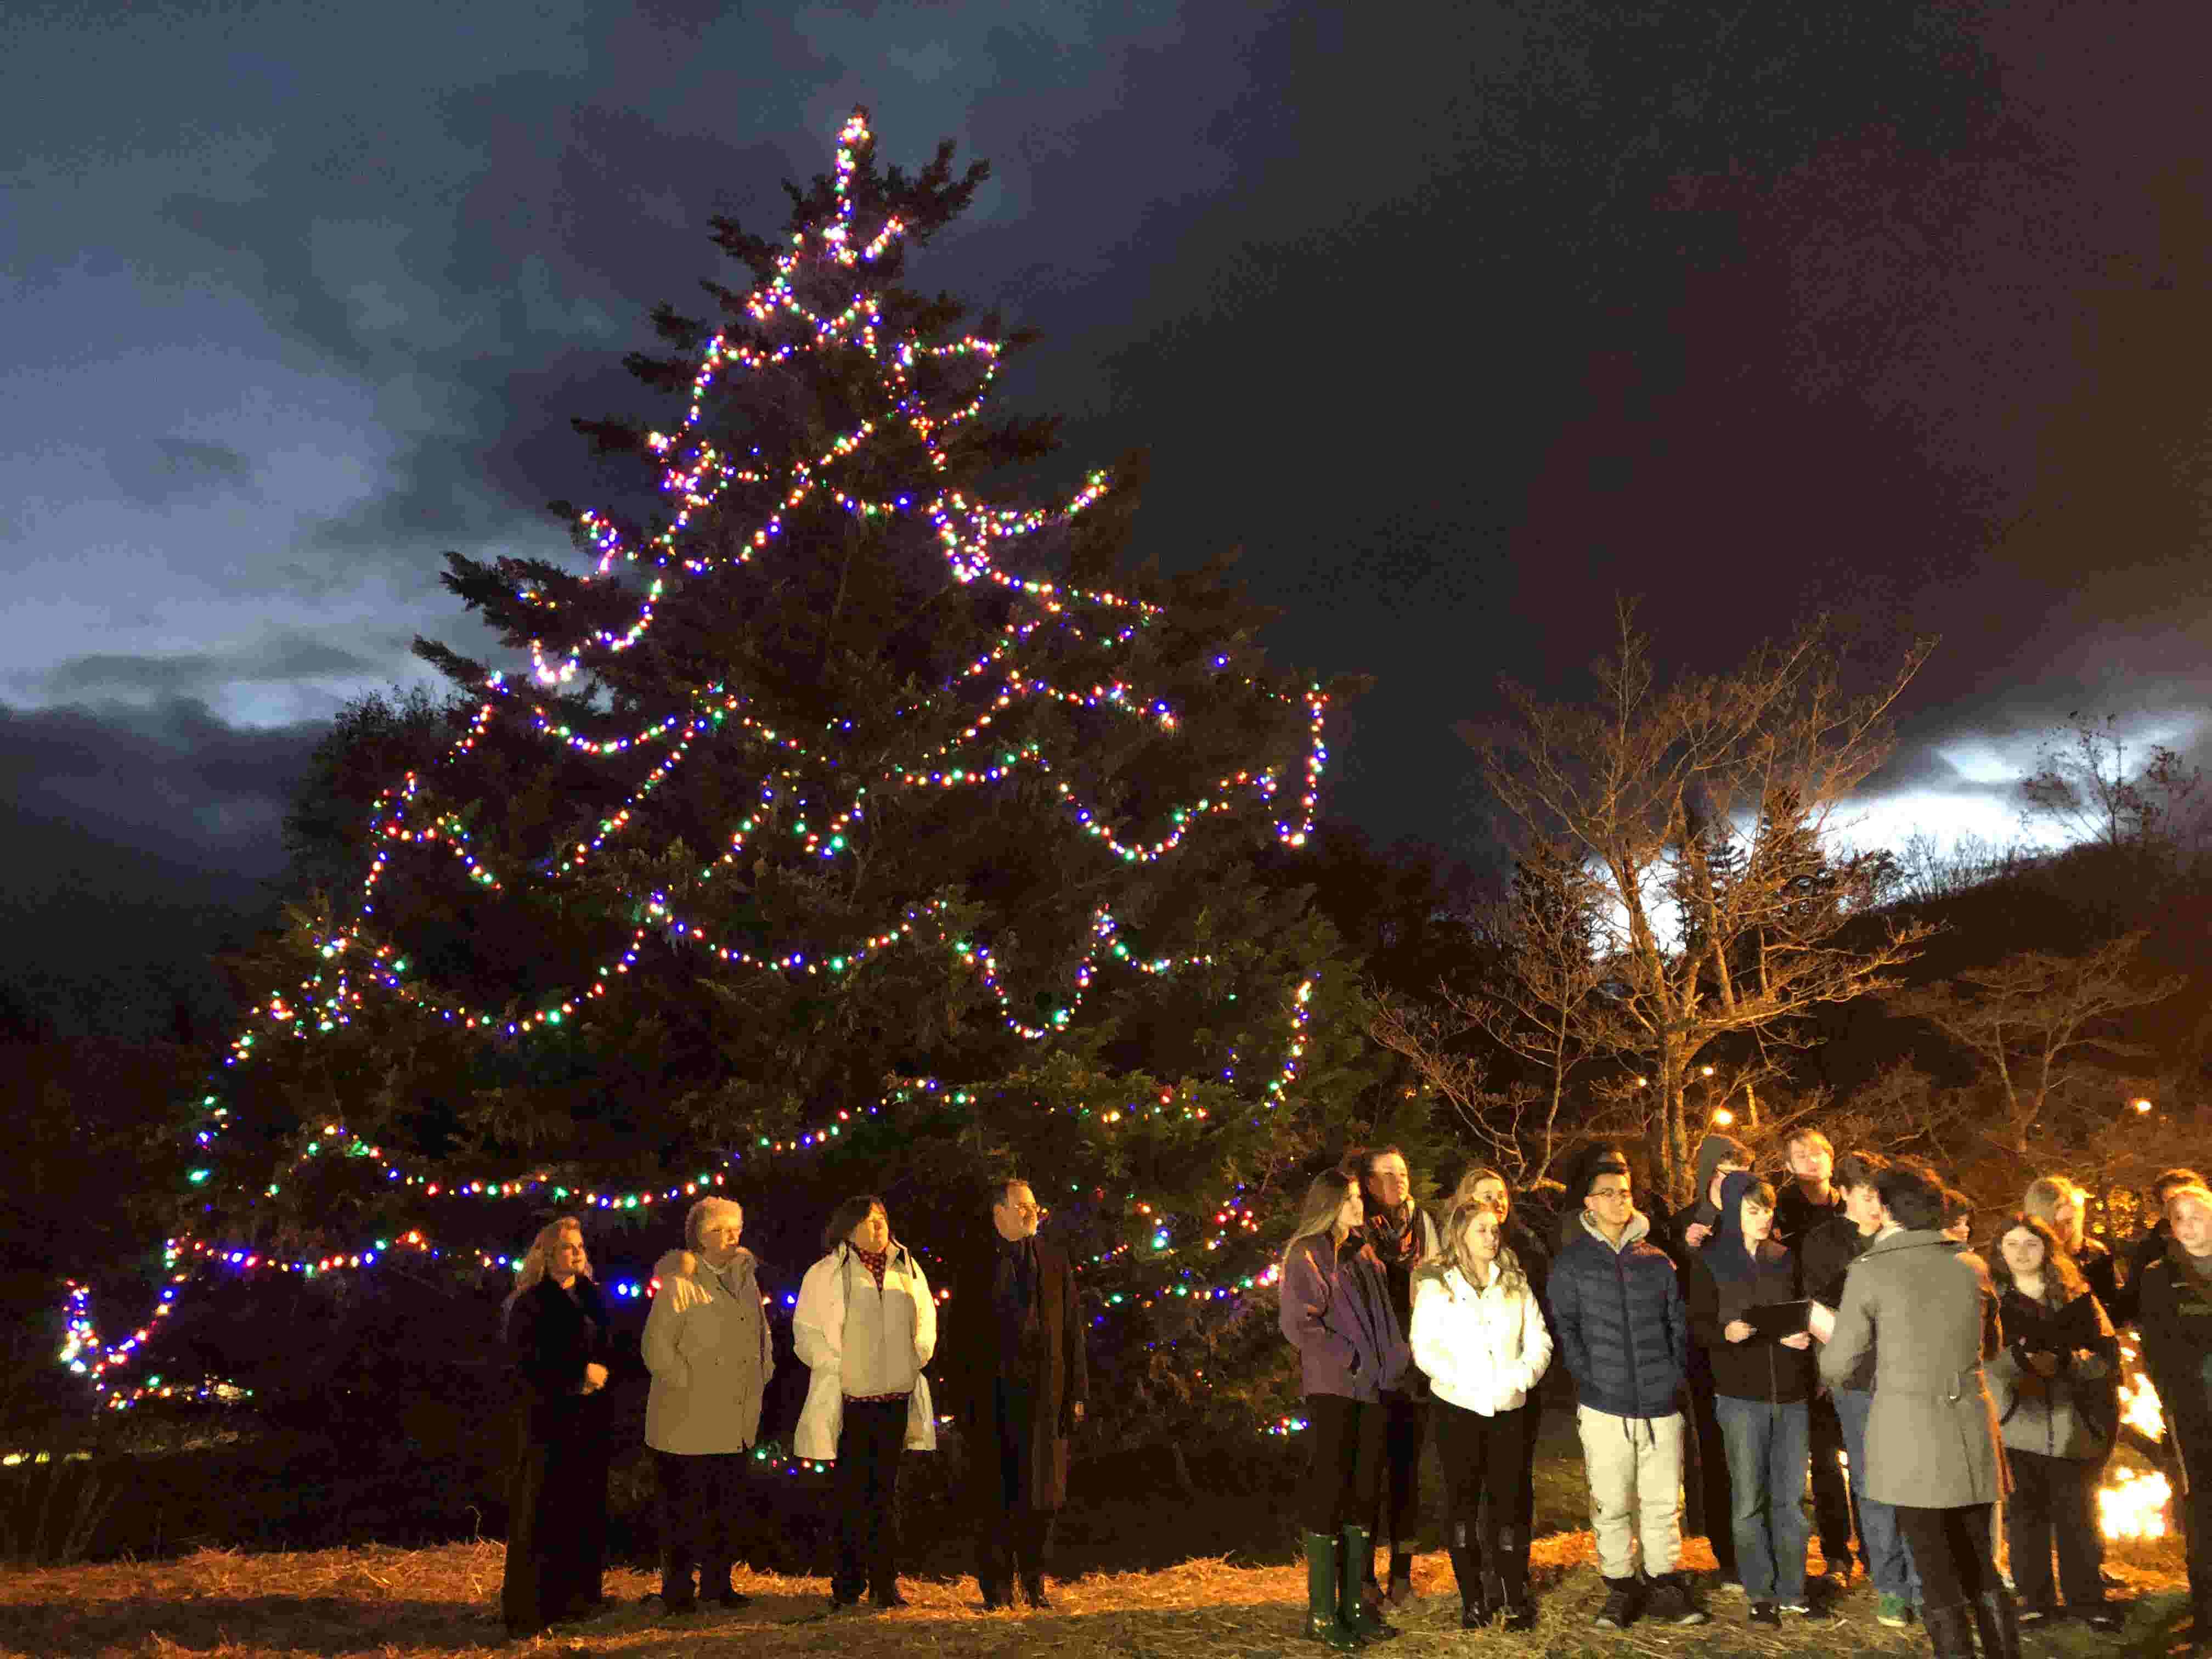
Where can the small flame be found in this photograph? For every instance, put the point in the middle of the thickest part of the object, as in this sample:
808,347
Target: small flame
2139,1407
2133,1505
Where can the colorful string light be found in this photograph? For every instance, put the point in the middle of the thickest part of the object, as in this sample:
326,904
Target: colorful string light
826,797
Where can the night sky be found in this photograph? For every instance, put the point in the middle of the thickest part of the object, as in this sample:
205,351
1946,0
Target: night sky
1461,320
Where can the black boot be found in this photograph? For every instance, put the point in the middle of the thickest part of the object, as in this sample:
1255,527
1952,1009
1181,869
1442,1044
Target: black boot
1351,1609
1474,1605
1623,1601
1324,1585
1950,1629
1510,1570
1997,1620
715,1587
677,1594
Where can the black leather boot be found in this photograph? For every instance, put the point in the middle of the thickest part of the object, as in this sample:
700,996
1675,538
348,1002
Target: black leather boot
1475,1608
715,1587
1997,1620
1950,1629
1510,1569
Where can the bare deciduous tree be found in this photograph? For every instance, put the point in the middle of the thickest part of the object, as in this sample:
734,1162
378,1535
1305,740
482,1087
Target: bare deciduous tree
2089,787
2033,1018
1720,905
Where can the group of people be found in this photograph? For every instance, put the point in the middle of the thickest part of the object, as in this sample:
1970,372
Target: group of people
1841,1331
866,1327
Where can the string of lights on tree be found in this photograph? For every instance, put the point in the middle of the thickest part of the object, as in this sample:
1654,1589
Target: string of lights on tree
802,784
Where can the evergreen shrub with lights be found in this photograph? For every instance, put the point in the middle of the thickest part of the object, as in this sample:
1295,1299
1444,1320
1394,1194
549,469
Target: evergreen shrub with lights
840,827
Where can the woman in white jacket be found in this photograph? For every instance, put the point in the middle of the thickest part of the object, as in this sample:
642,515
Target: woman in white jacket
865,1324
1481,1338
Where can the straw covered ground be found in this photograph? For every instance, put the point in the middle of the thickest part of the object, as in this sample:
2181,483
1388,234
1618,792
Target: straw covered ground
440,1603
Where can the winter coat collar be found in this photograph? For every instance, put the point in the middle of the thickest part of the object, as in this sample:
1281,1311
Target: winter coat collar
1639,1226
1911,1239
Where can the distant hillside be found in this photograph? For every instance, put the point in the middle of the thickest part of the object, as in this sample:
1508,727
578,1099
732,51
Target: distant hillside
101,938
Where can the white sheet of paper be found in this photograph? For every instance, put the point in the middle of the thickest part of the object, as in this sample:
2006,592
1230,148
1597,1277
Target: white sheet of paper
1821,1322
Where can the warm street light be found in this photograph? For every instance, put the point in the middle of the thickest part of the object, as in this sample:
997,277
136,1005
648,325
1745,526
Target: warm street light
1724,1117
1708,1071
2142,1105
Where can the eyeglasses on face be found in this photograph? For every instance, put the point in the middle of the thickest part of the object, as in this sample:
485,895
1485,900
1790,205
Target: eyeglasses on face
1608,1192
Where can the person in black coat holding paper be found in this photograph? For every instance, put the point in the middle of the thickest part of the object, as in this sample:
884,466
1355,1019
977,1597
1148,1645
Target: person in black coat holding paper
1762,1380
559,1335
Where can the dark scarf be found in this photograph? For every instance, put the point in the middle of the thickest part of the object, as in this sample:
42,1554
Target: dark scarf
1014,1300
1013,1286
878,1262
1395,1239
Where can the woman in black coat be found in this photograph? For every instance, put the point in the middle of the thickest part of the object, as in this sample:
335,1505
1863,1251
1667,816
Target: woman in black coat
558,1335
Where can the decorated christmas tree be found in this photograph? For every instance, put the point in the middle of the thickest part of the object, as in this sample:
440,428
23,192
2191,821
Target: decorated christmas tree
840,827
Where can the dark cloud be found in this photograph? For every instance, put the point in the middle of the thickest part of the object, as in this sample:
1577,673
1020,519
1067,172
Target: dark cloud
175,779
280,656
173,469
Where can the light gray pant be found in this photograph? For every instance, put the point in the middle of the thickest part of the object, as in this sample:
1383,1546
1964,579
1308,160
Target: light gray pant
1634,1467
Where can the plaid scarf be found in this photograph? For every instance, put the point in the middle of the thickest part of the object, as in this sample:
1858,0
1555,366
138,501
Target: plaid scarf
878,1262
1393,1240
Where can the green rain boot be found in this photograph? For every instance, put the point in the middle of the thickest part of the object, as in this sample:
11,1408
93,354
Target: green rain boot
1321,1587
1352,1609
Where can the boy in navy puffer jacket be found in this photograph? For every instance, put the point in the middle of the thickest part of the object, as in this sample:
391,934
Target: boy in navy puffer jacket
1618,1321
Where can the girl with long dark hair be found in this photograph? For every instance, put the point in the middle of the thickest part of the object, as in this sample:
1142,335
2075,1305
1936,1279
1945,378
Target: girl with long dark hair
2056,1383
1336,1311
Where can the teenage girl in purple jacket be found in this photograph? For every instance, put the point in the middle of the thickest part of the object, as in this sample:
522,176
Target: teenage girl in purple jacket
1337,1313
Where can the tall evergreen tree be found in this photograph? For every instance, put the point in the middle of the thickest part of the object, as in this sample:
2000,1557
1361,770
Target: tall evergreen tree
813,848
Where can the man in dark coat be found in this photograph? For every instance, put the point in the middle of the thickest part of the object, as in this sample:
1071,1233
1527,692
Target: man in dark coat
1016,1375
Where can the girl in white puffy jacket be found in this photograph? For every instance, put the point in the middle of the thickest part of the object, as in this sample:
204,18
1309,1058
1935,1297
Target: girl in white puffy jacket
1479,1335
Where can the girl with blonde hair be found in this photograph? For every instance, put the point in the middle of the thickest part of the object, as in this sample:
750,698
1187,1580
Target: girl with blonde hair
1481,1338
560,1338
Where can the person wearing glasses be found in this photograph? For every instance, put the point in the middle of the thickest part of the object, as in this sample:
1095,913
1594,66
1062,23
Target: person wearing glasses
1618,1318
1016,1377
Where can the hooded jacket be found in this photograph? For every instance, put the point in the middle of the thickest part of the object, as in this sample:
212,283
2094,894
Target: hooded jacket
1617,1317
1726,1279
1713,1151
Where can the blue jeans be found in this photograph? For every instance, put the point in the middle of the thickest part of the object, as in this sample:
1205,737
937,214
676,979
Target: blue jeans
1769,1452
1888,1561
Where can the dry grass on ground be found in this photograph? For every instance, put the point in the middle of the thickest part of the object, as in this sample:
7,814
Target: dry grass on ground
440,1603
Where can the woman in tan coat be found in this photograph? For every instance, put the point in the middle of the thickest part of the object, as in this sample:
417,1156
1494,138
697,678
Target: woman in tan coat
1924,1306
707,1346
